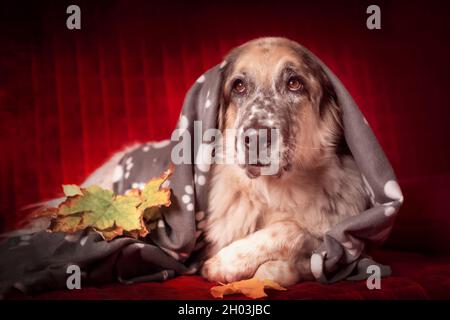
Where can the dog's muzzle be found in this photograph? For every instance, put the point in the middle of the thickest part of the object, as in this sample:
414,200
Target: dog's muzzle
260,136
257,141
258,149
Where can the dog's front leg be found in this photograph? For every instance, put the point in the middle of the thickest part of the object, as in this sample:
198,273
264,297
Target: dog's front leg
241,259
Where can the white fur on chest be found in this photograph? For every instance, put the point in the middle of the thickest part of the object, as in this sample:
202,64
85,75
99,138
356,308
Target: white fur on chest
238,206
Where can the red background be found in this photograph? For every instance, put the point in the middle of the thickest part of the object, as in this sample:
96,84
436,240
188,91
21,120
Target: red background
69,99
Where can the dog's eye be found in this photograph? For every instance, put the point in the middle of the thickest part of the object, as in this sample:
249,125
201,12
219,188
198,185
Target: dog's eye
239,86
294,84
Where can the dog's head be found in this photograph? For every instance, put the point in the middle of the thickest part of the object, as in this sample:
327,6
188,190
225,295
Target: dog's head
276,94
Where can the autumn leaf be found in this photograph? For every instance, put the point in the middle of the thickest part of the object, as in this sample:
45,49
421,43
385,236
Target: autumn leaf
101,209
252,288
69,224
155,196
109,214
112,232
43,212
151,215
71,190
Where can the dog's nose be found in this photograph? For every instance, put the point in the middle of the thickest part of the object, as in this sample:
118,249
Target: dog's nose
257,137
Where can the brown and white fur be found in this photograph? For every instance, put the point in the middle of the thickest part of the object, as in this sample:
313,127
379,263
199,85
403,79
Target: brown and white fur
268,226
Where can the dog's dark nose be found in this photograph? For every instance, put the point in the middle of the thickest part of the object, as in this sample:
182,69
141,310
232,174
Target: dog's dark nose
257,137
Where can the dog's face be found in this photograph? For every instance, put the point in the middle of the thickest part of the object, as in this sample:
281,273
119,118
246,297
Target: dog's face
275,93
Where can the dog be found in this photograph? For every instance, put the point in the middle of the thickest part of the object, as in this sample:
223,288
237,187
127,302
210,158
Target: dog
267,226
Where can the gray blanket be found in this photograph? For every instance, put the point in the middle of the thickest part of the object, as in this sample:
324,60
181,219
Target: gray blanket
36,262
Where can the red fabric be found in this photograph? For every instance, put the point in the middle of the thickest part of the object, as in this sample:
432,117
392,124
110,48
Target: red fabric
414,277
69,99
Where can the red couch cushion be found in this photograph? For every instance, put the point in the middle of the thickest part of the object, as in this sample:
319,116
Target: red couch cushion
414,277
423,222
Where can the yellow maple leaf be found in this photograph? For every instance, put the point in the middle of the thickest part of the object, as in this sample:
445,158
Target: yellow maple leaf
155,196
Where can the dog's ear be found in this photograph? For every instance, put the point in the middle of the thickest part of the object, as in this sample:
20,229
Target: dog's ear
330,108
221,111
223,99
329,101
329,96
226,70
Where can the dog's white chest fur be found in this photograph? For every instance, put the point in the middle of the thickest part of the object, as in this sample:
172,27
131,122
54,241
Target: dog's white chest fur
315,200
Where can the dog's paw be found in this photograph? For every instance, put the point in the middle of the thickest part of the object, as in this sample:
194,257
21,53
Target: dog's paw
230,264
282,272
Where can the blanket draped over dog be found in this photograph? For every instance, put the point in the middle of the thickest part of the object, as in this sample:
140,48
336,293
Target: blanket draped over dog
39,261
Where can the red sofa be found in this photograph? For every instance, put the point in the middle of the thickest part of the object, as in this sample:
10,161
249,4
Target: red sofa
69,99
415,276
